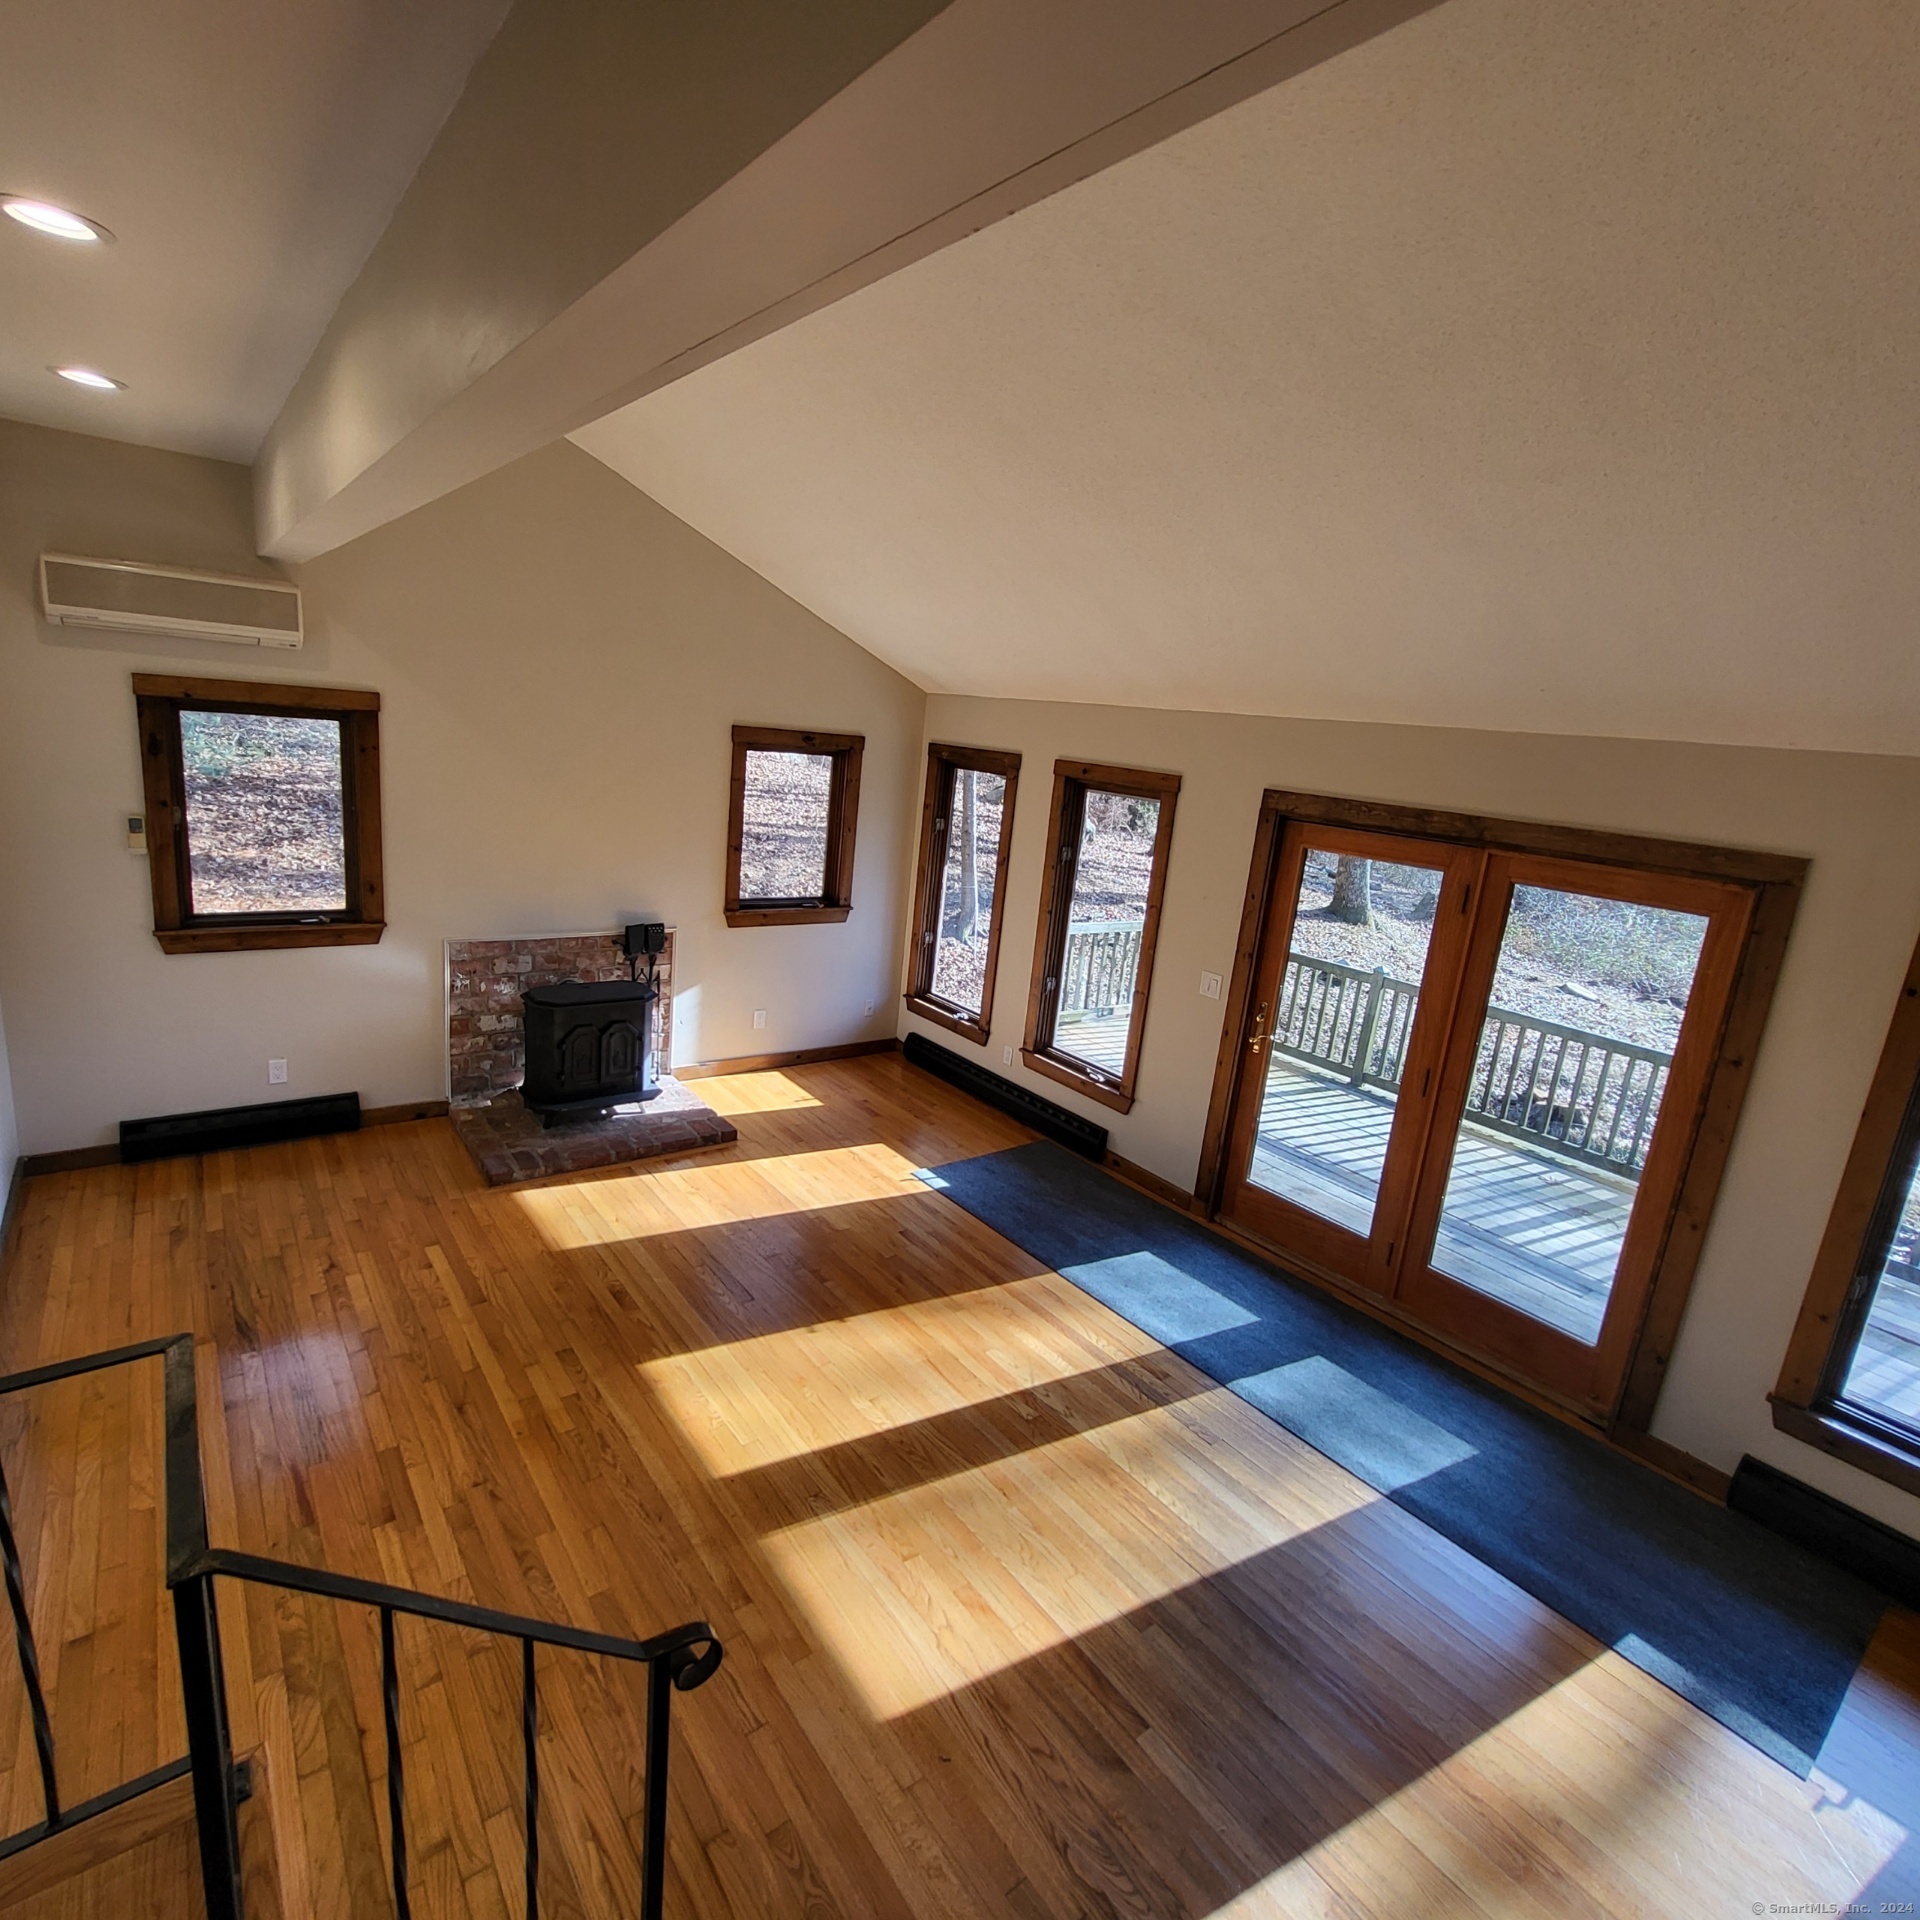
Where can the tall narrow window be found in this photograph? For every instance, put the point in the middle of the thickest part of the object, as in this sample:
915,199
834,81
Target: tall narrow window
1099,919
263,813
795,800
966,829
1851,1385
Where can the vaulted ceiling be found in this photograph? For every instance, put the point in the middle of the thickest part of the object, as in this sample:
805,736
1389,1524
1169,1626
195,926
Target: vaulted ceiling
1527,367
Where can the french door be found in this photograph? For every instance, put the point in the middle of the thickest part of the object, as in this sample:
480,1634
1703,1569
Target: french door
1471,1081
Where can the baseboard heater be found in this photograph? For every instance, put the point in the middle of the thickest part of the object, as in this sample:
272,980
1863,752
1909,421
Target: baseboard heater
1041,1115
219,1128
1825,1526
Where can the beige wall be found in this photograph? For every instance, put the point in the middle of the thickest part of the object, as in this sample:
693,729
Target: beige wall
559,662
583,133
1857,817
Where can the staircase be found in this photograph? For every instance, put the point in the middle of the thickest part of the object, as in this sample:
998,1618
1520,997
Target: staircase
183,1838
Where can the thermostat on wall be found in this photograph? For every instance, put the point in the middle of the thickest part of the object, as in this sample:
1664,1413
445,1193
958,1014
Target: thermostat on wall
136,832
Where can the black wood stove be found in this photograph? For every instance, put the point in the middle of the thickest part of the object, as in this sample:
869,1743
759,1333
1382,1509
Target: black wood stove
587,1048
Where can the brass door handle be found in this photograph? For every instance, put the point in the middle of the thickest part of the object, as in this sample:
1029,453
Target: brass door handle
1258,1037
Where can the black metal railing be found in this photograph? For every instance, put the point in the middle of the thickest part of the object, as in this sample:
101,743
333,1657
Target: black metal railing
676,1661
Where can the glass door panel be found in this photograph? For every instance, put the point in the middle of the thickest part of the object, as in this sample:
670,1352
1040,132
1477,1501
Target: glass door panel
1341,1028
1564,1091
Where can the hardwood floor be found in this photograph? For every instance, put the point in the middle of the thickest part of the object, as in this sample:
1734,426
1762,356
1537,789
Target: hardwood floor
1023,1615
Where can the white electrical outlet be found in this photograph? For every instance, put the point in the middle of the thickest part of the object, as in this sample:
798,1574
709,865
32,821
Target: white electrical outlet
276,1073
1210,986
759,1018
1006,1056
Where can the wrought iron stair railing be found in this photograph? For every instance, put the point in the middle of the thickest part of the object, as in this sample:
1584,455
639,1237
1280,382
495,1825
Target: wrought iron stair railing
676,1662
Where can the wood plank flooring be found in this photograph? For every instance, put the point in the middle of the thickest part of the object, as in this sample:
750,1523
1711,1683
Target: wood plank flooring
1023,1615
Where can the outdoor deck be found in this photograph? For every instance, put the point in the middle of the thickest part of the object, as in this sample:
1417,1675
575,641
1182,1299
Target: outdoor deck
1539,1232
1100,1040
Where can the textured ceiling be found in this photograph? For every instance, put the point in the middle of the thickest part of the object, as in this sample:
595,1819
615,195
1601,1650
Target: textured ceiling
1532,366
246,154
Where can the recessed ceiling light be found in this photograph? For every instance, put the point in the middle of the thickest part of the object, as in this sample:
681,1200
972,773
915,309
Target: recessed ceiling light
90,377
44,217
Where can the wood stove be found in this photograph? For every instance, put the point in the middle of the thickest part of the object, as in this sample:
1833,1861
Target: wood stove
588,1049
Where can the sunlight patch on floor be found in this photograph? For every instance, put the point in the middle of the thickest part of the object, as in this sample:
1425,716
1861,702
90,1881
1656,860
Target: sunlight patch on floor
935,1588
1605,1784
592,1213
780,1396
732,1093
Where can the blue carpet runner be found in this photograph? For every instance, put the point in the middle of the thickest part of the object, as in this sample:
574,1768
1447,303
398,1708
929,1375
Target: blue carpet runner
1751,1628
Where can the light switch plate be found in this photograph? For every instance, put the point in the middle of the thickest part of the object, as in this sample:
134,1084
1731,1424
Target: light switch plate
1210,986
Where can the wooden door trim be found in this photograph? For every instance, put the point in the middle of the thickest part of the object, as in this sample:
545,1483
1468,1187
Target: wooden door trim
1554,1359
1775,881
1364,1260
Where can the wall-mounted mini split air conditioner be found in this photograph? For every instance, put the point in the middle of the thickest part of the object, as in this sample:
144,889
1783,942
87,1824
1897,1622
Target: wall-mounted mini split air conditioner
127,597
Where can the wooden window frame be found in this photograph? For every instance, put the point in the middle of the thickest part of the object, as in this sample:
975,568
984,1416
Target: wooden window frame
1775,881
159,699
1072,781
1886,1148
843,818
944,764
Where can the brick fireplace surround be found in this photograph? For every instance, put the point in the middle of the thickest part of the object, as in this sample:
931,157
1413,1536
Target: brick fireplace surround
486,1046
486,1057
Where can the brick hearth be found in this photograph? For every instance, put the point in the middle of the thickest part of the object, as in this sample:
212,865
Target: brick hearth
508,1143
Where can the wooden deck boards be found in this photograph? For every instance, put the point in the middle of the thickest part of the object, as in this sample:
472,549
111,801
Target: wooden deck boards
1023,1615
1541,1233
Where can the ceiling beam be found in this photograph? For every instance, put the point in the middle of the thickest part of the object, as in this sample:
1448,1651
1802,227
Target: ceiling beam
625,193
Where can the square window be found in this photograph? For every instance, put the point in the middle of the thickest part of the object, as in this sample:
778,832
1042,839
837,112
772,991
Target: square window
795,799
783,827
263,813
265,799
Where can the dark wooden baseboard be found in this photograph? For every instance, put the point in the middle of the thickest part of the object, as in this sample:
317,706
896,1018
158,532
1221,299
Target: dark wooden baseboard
1150,1184
766,1062
72,1159
406,1110
1675,1462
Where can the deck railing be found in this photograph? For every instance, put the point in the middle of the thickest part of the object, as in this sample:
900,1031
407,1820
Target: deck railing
1576,1093
676,1662
1099,966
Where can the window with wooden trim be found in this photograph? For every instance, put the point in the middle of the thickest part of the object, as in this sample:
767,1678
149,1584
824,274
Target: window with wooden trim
263,813
1107,840
1851,1384
966,829
790,826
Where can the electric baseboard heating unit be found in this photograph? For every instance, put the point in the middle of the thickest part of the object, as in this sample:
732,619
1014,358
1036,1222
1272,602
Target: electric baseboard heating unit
213,1131
1041,1115
125,596
1820,1523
